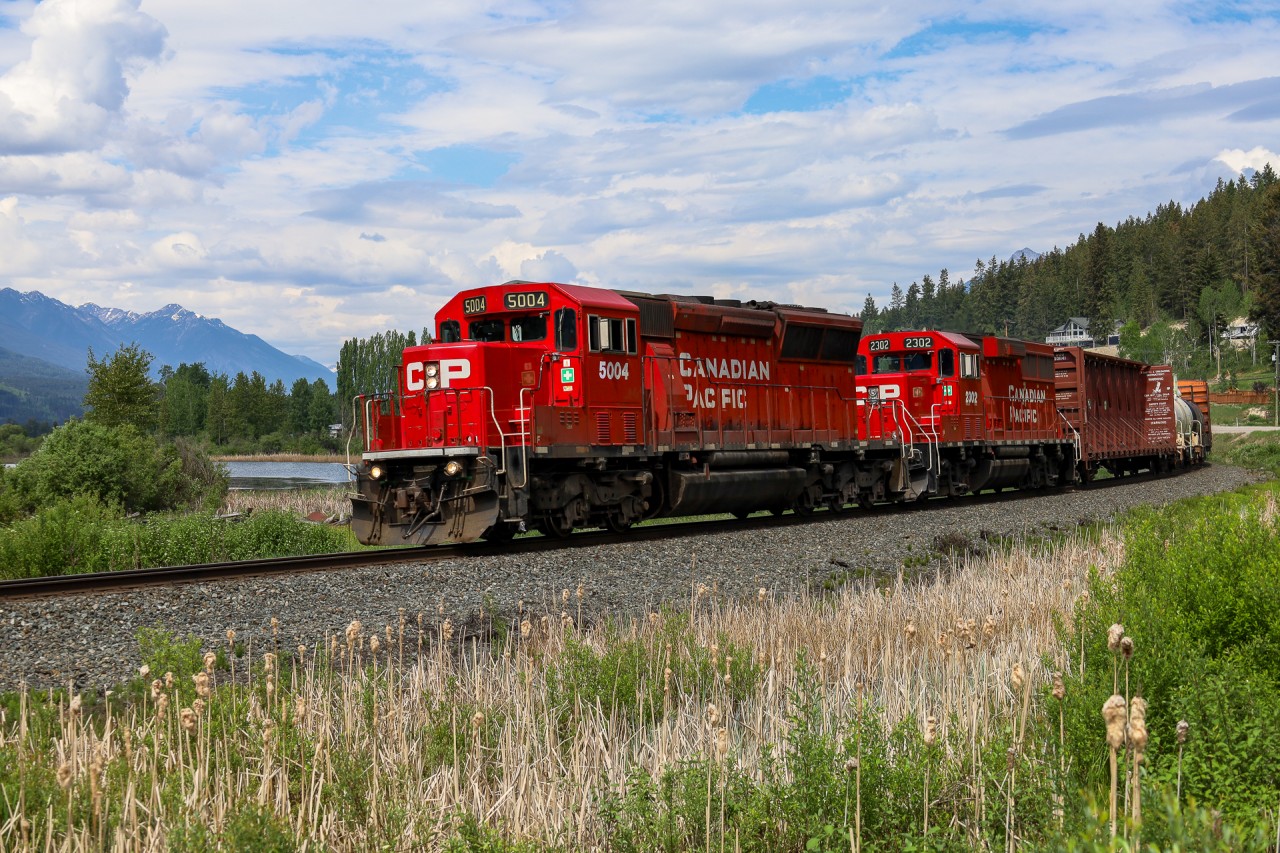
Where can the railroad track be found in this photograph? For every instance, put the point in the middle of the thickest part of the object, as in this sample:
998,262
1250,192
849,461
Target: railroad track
97,582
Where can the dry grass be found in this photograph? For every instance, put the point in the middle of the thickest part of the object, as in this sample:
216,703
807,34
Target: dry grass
945,650
333,501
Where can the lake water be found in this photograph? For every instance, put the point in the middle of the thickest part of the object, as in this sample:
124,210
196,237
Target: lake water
286,475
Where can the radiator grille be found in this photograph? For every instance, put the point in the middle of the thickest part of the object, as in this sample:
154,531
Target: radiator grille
630,435
603,428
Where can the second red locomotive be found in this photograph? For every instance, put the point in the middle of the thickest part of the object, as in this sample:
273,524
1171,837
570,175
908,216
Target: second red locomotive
559,406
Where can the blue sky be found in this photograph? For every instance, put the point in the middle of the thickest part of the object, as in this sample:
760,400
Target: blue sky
309,170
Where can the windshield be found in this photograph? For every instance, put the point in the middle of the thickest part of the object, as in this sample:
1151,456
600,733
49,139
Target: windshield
913,362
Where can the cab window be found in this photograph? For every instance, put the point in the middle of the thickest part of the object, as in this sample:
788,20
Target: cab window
611,335
918,361
486,330
946,362
532,328
968,365
450,332
886,364
566,329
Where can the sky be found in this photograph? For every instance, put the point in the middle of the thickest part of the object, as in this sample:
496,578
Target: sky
313,170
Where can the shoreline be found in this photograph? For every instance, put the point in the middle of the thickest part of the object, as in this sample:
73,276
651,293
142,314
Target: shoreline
280,457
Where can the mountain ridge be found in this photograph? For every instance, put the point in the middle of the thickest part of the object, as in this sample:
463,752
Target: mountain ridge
40,328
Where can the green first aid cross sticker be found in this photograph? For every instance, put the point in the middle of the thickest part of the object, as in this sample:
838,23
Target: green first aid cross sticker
566,374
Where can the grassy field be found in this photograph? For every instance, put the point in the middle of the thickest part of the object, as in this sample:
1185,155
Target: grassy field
964,712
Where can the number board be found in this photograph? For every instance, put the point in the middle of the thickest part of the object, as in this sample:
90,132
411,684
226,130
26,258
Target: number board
474,305
920,342
878,345
518,301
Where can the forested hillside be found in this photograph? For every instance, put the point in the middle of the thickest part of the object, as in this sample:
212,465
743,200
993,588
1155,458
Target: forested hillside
1203,265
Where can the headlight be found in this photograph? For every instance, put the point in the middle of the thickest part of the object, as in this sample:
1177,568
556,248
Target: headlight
452,468
433,382
433,369
376,472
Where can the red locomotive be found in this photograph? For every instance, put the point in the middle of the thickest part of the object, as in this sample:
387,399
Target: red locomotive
560,406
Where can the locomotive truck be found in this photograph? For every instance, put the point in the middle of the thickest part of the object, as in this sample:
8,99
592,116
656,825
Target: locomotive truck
557,406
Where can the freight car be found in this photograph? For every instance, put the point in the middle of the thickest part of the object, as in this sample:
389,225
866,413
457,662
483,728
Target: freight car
556,406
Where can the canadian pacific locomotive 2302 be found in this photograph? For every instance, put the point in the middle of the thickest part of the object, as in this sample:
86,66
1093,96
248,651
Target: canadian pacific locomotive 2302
556,406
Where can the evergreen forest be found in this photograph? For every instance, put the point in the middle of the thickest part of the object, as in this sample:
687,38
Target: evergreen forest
1174,279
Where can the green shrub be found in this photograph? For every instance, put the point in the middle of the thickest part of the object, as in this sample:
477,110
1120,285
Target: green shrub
115,464
1198,595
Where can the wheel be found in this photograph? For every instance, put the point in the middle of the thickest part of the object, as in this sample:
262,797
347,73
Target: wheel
835,504
742,514
556,526
617,523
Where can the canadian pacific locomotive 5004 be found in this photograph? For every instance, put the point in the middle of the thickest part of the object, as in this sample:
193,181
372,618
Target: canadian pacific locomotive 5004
555,406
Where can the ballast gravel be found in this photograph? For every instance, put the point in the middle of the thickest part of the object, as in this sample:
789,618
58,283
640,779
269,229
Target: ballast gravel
90,641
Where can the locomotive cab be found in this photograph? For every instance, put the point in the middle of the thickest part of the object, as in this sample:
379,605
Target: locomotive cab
514,368
924,386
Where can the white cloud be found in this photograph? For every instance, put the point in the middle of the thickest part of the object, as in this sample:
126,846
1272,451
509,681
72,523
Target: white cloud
1255,158
63,96
270,163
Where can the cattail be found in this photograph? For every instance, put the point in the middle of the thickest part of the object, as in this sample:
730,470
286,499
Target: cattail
198,706
374,644
526,628
713,716
1183,729
477,720
74,705
353,633
1138,724
156,689
275,626
1138,738
299,709
653,620
564,596
1059,687
202,684
162,704
944,643
930,730
231,636
989,627
581,592
269,661
1114,635
1018,677
762,594
722,744
64,775
168,681
1113,712
188,718
210,661
1126,647
268,731
446,630
144,671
